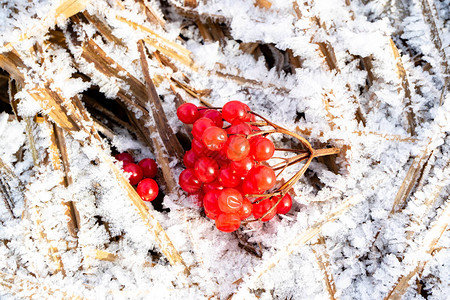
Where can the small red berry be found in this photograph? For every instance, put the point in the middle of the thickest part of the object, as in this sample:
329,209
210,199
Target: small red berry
249,187
228,222
189,181
259,209
135,173
149,167
214,138
201,111
250,117
242,167
215,116
211,205
262,177
228,178
189,159
124,157
230,200
285,204
212,186
238,147
200,126
200,149
262,148
234,110
147,189
206,169
239,127
246,209
188,113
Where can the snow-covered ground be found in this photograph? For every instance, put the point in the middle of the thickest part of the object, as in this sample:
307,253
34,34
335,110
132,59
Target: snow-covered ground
371,80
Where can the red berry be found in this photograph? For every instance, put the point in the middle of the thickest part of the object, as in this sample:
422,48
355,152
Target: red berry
215,116
200,149
262,149
262,177
124,157
135,173
189,181
201,111
242,167
212,186
211,205
228,222
246,209
188,113
238,148
189,159
206,169
234,110
149,167
200,126
255,128
147,189
214,138
230,200
249,187
239,127
259,209
228,178
285,204
250,117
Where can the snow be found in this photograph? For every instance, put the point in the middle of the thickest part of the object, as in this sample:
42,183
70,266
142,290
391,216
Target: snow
368,247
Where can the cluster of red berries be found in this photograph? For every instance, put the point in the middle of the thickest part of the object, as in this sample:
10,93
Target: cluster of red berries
225,165
141,174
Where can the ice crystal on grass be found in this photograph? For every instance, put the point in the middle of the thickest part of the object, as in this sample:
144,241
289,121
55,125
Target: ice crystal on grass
366,78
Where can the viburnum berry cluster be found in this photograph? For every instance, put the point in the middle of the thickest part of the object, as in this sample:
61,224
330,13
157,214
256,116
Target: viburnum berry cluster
227,166
141,175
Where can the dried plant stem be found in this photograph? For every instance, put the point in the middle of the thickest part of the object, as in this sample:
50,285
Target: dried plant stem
263,4
410,180
30,138
309,155
172,147
405,85
65,9
7,199
7,170
428,246
105,255
60,161
168,48
323,261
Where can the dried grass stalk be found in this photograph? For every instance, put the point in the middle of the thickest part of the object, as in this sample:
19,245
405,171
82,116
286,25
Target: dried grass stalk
168,48
5,169
429,13
60,161
151,14
263,4
25,288
410,180
405,85
65,9
323,260
105,255
429,243
167,145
